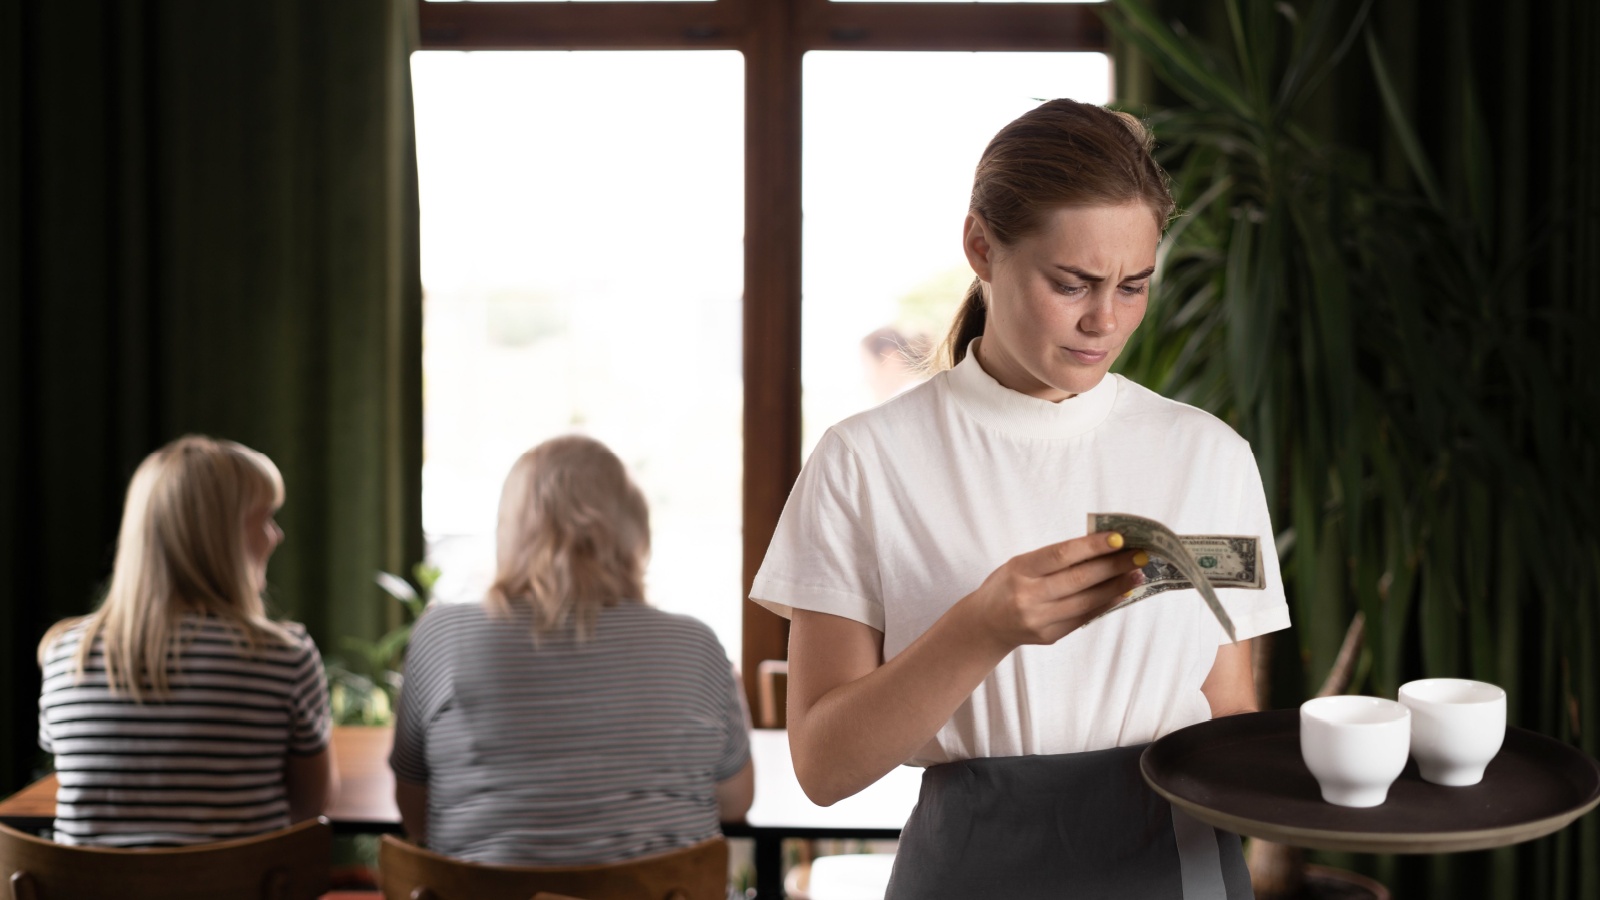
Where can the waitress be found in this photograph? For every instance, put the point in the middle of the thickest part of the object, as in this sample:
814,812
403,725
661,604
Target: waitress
939,619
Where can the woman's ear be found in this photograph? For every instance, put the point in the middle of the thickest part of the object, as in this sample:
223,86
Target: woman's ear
979,248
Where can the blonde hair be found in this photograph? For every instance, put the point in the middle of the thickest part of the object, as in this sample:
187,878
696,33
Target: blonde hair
573,536
1060,153
181,548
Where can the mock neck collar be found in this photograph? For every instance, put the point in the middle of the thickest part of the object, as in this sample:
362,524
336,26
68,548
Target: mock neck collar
1019,415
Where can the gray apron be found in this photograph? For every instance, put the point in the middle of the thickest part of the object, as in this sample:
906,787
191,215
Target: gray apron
1068,826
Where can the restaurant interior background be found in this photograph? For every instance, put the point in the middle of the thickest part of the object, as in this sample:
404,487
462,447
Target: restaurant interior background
210,220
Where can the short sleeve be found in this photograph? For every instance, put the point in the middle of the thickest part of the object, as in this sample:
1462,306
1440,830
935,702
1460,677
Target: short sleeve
46,742
736,727
55,656
424,691
312,721
1253,612
823,556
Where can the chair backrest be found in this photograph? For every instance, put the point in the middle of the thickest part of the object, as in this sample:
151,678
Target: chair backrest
289,864
772,693
699,872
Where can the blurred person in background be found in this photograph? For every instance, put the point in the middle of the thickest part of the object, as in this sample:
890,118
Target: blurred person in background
890,360
178,712
563,720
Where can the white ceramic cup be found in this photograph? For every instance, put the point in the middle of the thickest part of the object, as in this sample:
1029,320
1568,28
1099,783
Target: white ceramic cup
1457,726
1354,746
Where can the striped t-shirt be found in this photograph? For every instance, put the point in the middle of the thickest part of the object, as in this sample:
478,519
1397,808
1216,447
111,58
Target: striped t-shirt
204,763
567,752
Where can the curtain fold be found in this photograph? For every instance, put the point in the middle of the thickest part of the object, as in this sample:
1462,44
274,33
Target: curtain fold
209,224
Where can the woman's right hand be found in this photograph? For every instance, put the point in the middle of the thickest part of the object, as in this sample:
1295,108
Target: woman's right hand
854,715
1042,596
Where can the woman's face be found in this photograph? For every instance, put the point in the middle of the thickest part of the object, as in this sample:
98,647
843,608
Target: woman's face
261,536
1063,301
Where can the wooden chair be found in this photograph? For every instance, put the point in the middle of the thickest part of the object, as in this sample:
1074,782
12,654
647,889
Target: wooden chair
290,864
700,872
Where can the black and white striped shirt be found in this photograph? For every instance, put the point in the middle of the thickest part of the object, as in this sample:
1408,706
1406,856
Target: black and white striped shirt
568,753
204,763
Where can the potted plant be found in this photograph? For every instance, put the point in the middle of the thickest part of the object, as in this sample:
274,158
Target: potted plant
1408,393
364,681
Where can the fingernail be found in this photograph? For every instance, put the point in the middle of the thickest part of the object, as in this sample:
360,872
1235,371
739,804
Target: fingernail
1141,559
1126,594
1115,540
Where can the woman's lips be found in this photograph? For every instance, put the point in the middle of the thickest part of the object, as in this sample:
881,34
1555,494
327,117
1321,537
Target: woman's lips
1088,357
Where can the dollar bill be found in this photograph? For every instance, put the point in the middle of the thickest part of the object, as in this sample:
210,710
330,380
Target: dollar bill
1202,562
1228,561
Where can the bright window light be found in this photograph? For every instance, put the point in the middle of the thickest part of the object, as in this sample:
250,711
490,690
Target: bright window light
582,265
891,140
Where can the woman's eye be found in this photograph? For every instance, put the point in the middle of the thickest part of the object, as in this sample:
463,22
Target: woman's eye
1133,290
1071,290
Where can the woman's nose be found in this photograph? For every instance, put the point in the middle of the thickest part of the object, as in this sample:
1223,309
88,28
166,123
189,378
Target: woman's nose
1099,318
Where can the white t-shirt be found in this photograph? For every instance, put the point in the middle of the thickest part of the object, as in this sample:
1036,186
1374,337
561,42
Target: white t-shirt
904,509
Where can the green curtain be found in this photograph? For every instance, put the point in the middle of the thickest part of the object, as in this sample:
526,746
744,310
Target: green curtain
208,223
1505,95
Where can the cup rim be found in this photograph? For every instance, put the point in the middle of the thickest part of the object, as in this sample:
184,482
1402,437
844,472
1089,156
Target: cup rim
1410,691
1320,708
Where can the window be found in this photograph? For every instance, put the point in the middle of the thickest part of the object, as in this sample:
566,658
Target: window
582,271
789,50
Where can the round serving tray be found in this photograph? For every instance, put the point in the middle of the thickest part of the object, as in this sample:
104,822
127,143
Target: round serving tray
1245,774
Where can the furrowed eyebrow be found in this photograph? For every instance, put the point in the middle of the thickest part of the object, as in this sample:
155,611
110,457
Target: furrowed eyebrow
1087,276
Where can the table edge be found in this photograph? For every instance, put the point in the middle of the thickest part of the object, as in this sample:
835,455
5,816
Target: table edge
746,830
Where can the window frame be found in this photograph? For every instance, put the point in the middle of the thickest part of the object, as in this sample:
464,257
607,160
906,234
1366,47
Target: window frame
773,36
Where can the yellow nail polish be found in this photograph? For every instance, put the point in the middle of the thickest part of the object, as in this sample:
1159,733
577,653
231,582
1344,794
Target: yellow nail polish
1126,594
1115,540
1141,559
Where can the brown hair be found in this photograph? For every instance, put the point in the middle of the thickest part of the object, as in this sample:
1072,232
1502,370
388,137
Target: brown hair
181,548
1061,153
574,536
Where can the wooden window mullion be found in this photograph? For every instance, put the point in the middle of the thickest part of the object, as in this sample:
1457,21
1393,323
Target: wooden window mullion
582,26
954,27
771,304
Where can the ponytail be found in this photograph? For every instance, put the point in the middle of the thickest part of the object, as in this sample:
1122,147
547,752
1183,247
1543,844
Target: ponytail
968,325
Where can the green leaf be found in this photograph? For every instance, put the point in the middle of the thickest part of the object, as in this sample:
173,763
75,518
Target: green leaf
391,645
1246,334
426,575
1293,96
1185,69
1249,67
1402,128
395,586
366,651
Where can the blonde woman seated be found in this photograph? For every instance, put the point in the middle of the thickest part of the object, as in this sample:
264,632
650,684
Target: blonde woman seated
563,720
177,712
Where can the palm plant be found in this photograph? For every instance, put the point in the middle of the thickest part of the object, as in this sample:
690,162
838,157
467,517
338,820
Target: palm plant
1424,420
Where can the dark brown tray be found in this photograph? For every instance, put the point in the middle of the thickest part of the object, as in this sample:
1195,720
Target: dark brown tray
1245,774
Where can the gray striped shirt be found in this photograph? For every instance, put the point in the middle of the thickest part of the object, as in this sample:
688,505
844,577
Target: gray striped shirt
205,763
568,753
